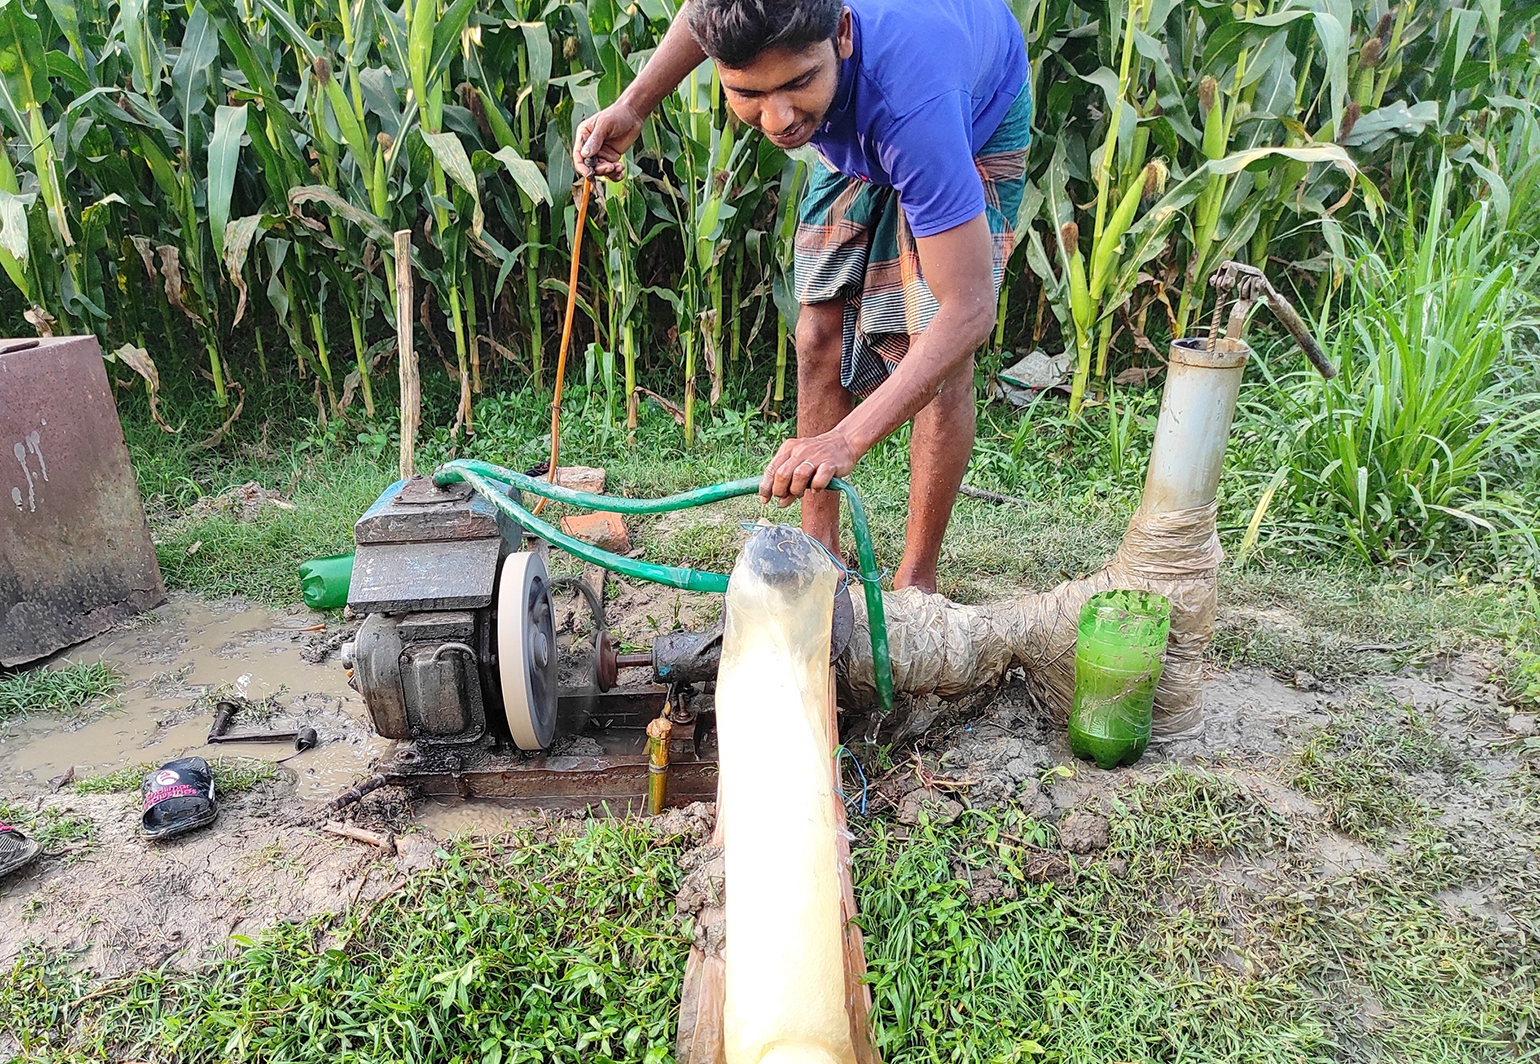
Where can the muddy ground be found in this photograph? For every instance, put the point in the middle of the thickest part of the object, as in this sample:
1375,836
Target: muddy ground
123,903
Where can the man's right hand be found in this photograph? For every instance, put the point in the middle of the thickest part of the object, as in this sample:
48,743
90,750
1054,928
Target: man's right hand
602,140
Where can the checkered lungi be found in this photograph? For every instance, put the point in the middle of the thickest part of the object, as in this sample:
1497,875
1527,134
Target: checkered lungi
854,243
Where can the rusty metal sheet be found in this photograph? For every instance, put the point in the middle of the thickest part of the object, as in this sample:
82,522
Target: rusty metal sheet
75,550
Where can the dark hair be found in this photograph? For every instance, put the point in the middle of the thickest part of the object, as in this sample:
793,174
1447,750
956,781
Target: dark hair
734,32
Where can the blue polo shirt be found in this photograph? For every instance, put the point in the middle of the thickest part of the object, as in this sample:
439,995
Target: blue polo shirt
928,83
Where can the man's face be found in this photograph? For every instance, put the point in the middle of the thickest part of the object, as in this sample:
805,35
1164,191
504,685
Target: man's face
785,94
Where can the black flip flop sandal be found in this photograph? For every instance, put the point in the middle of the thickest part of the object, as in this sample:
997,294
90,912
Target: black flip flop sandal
16,850
177,797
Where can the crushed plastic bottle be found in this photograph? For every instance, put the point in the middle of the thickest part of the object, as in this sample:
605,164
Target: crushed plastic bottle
324,582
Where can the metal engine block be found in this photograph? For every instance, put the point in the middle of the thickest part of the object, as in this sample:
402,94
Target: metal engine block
456,659
425,573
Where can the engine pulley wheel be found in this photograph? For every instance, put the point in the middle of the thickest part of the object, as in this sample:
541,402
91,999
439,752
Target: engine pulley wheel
526,649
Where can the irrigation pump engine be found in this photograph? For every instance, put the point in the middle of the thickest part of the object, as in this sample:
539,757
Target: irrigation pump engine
458,660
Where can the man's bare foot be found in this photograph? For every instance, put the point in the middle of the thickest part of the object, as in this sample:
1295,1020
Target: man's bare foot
915,576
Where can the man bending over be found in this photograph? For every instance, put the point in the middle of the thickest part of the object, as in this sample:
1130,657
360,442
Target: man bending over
920,113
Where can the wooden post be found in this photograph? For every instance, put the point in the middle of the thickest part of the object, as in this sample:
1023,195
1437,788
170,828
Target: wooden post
406,362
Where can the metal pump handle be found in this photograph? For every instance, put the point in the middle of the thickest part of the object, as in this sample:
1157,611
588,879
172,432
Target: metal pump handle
1251,285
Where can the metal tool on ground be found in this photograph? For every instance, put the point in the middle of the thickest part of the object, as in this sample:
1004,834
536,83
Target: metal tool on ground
303,737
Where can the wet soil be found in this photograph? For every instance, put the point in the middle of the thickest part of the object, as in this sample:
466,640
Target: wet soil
1459,757
125,903
175,663
122,902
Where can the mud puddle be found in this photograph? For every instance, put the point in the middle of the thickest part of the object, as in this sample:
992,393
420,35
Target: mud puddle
176,662
117,901
447,818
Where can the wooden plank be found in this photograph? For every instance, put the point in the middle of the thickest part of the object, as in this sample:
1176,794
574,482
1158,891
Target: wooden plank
701,1039
406,355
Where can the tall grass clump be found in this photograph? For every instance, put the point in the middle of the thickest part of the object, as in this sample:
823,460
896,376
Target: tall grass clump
1421,441
60,690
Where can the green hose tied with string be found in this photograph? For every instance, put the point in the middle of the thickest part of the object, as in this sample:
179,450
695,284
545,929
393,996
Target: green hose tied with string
491,481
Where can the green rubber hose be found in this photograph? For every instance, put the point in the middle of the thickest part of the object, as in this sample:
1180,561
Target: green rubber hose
485,478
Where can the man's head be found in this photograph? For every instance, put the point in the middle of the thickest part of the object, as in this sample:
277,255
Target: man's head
779,60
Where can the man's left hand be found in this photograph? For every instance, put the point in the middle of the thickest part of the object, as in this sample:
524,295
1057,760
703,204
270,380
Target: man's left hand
806,464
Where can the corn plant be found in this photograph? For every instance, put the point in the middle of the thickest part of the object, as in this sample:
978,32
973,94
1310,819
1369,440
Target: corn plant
1244,155
216,182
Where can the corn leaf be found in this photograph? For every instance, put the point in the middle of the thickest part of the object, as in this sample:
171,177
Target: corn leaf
224,157
373,227
450,153
144,50
190,75
525,173
13,222
238,238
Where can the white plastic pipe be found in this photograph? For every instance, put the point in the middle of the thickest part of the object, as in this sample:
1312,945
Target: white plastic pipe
1196,410
785,968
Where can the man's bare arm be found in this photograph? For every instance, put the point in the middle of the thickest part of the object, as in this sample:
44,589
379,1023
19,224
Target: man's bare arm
602,139
958,266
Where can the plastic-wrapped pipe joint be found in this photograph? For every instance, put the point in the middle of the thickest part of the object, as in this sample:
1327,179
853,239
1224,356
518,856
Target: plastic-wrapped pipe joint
785,975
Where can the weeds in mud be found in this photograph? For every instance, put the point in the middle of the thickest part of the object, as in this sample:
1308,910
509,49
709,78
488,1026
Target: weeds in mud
52,828
1201,934
232,776
1357,765
61,690
237,775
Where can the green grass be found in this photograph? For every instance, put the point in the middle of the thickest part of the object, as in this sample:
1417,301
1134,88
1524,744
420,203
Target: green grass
232,776
1202,934
52,828
219,554
60,690
1356,771
553,948
1418,449
1183,954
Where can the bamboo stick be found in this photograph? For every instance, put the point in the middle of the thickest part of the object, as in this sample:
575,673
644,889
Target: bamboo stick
858,994
385,841
411,385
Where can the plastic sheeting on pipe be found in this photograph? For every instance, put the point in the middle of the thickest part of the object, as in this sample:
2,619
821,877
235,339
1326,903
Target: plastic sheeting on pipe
942,648
785,966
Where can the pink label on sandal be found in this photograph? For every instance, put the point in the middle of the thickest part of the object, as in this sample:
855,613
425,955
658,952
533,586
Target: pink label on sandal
181,790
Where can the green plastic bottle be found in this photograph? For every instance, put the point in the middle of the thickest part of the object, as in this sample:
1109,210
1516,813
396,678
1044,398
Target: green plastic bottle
324,582
1118,650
